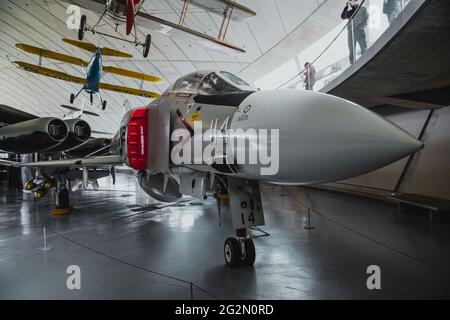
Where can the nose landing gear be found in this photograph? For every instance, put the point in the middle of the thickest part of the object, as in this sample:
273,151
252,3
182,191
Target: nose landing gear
246,212
239,250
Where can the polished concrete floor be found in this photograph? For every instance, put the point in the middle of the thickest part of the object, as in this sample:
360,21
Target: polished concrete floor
129,248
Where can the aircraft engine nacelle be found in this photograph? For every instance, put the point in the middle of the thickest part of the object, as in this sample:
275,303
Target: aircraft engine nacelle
79,133
36,135
153,185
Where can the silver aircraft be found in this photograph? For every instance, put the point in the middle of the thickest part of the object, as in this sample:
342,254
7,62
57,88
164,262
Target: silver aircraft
213,134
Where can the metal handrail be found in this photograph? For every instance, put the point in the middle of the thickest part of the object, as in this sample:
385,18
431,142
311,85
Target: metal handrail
350,21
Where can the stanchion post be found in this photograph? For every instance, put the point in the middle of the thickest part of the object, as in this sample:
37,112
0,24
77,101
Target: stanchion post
309,227
45,247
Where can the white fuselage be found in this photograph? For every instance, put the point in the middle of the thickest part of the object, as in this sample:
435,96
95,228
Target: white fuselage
321,138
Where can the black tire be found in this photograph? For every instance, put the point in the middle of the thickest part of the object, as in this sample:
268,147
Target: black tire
63,199
91,98
232,252
250,253
81,28
148,42
104,105
72,98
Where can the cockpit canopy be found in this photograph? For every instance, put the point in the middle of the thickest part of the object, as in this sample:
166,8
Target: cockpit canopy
211,83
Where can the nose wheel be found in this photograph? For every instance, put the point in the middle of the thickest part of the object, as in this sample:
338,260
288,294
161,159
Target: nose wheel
232,252
82,27
239,251
72,98
249,255
146,45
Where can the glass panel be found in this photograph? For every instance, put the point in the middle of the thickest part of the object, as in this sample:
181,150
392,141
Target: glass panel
370,21
233,78
189,83
364,22
212,84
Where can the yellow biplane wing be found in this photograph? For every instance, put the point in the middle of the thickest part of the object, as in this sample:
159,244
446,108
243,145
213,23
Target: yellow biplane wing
74,79
91,48
127,90
80,62
131,74
48,72
51,54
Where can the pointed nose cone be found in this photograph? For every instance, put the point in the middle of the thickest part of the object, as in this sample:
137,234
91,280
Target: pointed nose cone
324,138
390,141
360,140
376,140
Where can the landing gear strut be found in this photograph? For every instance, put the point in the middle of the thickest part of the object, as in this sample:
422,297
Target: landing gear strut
63,198
74,96
246,212
83,27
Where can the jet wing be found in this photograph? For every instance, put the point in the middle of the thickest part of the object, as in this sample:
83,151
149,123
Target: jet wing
77,162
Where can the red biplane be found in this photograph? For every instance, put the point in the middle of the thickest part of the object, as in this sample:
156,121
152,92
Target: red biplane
120,11
131,13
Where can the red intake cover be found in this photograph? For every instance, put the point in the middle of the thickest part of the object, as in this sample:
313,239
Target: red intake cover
137,139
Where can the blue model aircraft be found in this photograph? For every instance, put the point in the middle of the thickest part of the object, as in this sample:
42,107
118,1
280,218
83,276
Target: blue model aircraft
93,76
94,70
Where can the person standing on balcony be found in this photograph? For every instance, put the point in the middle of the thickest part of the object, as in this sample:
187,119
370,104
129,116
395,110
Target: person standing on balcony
357,27
392,9
310,76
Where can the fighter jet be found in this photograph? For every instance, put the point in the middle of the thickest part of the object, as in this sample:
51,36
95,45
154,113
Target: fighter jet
50,137
213,134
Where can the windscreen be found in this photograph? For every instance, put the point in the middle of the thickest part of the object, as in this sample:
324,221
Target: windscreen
211,83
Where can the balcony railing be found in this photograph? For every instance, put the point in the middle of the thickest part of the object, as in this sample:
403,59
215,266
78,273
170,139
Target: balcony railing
352,39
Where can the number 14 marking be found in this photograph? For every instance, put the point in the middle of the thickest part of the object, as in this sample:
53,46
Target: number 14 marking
251,218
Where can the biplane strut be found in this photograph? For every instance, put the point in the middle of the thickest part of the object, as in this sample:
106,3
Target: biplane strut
130,19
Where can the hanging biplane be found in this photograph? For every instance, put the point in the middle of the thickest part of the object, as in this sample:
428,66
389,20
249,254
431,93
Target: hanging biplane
132,14
94,70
